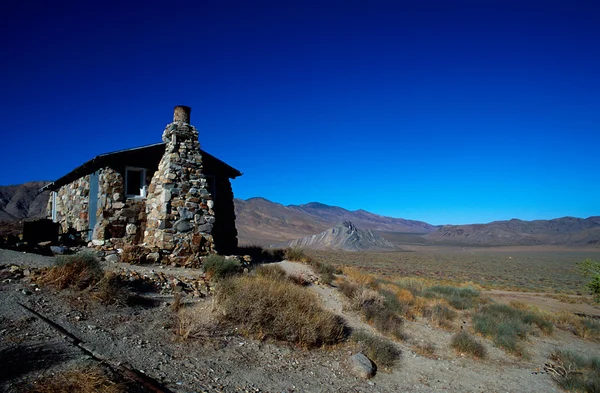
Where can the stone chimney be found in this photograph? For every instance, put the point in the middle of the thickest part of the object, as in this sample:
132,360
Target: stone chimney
178,206
182,113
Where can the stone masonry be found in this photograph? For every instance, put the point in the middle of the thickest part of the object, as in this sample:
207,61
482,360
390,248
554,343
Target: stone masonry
72,205
179,208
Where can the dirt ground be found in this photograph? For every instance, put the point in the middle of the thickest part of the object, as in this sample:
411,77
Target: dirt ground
142,337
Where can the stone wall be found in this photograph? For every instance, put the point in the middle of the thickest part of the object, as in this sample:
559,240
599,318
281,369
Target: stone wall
72,202
120,220
179,210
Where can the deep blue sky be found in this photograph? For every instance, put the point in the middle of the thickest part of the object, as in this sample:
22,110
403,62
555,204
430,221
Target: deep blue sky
447,112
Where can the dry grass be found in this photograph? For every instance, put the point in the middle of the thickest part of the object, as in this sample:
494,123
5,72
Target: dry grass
272,272
277,309
326,271
586,328
78,271
111,290
575,372
440,314
80,380
524,270
466,344
188,323
359,277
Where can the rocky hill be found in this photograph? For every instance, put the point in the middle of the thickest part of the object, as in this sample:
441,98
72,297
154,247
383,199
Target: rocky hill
565,230
344,236
23,201
261,221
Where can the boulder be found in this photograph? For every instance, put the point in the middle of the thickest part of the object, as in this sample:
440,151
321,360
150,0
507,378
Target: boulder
362,366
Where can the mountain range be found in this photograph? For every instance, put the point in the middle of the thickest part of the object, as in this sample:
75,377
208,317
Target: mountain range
262,222
23,201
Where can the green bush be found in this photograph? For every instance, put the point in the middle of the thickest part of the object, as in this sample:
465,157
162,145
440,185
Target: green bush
463,342
218,267
383,352
590,268
506,325
461,298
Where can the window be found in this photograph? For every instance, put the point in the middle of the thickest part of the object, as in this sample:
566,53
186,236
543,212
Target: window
135,182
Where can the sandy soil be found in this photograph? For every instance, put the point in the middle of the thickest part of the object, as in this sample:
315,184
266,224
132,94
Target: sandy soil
142,336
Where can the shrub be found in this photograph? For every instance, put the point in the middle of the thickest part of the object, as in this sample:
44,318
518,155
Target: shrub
506,325
78,271
326,271
348,288
463,342
297,255
461,298
440,314
383,352
575,372
379,311
583,327
591,269
273,272
112,290
277,309
218,267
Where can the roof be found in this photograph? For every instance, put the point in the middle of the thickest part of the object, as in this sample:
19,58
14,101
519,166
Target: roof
154,150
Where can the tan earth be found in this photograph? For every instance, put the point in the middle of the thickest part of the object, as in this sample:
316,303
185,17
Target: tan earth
221,360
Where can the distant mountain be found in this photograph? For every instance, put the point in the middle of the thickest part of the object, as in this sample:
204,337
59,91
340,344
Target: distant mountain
260,221
344,236
364,219
23,201
565,230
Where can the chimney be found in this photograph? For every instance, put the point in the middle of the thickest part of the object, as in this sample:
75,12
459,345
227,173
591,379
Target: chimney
182,113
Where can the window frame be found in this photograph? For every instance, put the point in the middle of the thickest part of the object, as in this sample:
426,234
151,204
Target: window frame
142,190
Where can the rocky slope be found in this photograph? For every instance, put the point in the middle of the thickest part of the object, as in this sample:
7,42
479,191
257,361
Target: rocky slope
565,230
22,201
344,236
261,221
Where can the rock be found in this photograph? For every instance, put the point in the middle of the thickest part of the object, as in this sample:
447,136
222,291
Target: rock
44,244
362,366
59,250
153,257
210,204
130,229
113,258
97,242
205,228
183,225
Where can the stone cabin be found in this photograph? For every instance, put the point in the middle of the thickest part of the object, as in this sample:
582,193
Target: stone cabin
171,198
